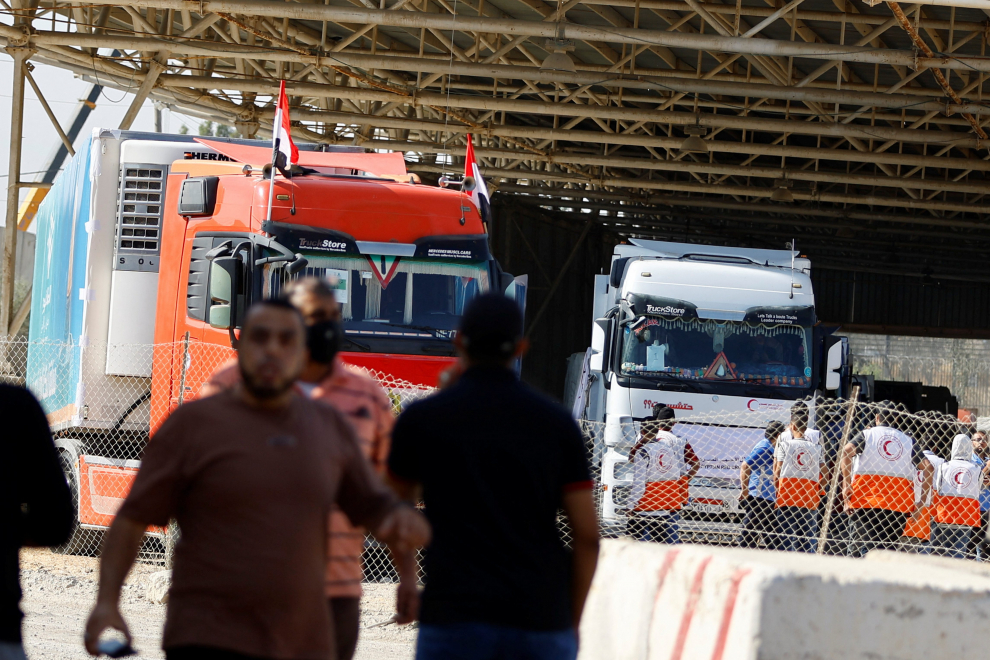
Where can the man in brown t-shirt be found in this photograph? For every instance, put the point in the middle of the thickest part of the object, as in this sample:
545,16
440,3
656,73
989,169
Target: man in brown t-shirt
250,476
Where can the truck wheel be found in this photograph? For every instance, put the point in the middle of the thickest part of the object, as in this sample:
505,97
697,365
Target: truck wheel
82,541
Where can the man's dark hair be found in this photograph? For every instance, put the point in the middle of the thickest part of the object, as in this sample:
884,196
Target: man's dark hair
664,416
316,286
800,415
491,328
273,303
888,414
774,429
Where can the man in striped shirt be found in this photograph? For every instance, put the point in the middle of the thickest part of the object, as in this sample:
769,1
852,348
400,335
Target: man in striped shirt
353,392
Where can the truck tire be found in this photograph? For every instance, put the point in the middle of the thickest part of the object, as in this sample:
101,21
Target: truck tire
82,541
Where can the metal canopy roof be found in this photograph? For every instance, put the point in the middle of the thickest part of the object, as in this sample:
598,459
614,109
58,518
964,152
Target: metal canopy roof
872,117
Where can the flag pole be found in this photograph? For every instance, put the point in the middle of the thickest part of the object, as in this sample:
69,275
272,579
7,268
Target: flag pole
271,179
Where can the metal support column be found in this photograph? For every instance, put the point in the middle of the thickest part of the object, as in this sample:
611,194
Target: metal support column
20,55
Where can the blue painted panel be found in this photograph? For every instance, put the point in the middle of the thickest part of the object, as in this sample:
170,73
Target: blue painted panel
53,368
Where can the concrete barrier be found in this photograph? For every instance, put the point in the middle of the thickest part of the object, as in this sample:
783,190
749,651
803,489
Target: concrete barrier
658,602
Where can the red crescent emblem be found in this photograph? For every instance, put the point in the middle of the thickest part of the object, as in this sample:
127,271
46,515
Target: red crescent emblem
800,458
961,477
885,448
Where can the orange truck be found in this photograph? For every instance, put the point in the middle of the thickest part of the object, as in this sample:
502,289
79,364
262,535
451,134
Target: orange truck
151,247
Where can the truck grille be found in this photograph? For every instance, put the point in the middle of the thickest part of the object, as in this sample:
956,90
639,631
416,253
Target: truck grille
139,219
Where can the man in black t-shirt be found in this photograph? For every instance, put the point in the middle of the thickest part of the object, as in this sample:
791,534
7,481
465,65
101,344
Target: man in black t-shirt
495,462
35,504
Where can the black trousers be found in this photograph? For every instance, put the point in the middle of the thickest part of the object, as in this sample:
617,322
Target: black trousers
346,615
760,520
877,529
978,539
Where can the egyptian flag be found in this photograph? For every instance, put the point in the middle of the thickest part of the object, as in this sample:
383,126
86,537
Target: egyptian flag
480,193
281,133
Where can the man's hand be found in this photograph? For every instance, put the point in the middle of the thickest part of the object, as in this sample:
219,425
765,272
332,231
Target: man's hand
104,615
743,494
119,551
404,529
407,602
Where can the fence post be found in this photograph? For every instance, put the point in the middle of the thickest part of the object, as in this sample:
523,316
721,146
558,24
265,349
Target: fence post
185,366
172,531
827,519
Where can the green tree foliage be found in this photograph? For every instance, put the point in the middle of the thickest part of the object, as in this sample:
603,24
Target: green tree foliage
209,129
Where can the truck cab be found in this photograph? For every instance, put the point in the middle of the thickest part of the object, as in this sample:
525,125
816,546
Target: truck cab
151,248
727,337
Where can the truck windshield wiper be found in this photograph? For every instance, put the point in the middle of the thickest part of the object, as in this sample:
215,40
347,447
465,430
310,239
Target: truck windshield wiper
686,384
362,346
437,349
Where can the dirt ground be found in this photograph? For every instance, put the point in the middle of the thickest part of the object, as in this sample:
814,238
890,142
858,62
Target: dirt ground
59,591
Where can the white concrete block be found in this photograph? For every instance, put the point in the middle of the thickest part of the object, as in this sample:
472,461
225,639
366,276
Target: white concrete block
158,587
652,601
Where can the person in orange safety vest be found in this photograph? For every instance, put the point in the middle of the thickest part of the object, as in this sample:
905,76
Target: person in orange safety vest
880,495
918,530
957,500
663,465
797,472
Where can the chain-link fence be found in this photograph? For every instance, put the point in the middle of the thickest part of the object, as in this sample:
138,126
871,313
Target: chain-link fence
852,477
104,401
857,478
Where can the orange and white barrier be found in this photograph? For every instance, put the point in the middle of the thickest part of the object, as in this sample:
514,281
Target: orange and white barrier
658,602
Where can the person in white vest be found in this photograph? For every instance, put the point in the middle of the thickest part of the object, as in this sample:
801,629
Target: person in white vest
880,496
663,465
957,500
797,472
918,530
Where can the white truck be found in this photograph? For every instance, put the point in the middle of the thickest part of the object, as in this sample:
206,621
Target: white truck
727,337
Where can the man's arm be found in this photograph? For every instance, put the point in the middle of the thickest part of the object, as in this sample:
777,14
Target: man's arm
694,464
407,594
579,507
744,473
119,552
776,474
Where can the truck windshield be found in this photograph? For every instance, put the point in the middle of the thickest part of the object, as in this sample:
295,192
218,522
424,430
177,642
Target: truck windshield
704,349
395,297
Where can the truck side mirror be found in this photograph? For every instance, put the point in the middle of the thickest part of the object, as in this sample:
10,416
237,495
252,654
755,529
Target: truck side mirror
198,195
601,343
835,361
225,276
618,270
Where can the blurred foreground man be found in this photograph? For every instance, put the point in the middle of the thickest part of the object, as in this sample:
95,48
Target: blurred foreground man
363,401
35,505
250,476
495,461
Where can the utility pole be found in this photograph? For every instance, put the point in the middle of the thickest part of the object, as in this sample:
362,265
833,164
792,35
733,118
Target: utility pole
20,54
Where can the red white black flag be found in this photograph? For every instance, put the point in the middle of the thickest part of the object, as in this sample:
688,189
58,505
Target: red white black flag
281,133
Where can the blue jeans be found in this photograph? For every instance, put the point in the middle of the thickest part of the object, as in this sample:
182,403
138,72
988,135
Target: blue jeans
11,651
950,540
659,529
484,641
799,527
